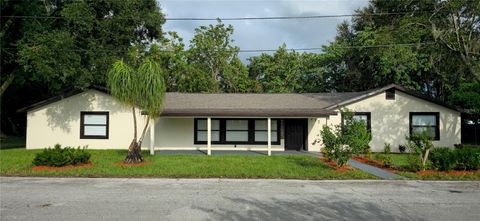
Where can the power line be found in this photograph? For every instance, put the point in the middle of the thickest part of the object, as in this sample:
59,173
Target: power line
230,18
268,50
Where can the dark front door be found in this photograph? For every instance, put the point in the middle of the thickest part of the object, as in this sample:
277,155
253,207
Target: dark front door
295,134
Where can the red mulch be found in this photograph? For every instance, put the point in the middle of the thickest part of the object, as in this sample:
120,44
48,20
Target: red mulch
49,168
343,169
132,164
452,172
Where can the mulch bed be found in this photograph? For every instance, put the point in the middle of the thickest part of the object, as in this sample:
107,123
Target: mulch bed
132,164
344,168
421,173
452,172
50,168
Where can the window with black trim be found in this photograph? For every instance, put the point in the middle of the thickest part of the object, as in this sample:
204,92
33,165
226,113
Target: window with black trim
236,131
94,125
365,117
425,122
201,133
361,116
390,94
261,130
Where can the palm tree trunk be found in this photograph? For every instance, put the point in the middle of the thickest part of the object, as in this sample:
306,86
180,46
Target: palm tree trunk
134,150
144,132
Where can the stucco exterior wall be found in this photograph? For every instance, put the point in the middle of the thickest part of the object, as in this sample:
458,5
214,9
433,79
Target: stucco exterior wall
59,122
390,119
314,138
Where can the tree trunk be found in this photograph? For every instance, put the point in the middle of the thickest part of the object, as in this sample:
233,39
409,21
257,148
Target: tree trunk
6,83
424,158
134,124
134,153
140,140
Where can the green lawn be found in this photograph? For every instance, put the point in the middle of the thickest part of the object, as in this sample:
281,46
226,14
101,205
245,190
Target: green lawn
17,162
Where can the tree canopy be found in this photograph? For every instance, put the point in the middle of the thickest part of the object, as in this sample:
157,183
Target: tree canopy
430,46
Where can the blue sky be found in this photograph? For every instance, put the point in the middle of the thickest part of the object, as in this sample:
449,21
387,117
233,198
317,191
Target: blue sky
263,34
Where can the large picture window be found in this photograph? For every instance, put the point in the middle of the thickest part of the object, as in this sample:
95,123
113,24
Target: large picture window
236,131
261,130
425,122
93,125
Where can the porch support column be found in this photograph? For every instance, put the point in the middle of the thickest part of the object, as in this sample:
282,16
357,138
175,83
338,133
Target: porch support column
209,136
269,136
152,136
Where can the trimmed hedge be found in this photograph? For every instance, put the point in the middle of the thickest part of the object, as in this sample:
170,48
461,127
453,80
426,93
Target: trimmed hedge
58,156
464,158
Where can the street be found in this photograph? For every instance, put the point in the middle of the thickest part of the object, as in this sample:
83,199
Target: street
228,199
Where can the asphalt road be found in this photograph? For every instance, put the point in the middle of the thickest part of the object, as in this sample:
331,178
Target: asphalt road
219,199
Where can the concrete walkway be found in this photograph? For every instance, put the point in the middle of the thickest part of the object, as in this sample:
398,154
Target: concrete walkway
383,174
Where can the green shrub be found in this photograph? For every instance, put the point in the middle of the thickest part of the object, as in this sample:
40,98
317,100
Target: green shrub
443,159
59,156
352,137
419,145
387,148
385,159
467,158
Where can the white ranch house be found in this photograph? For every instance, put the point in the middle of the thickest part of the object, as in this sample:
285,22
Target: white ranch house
262,122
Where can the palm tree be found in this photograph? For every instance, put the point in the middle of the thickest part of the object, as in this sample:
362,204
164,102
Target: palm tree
142,87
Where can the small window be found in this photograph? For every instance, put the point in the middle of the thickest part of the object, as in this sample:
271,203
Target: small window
425,122
94,125
390,94
261,131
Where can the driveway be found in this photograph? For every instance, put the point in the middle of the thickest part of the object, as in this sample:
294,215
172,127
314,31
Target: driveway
219,199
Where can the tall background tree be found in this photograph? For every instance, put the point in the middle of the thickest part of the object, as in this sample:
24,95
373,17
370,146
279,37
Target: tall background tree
49,45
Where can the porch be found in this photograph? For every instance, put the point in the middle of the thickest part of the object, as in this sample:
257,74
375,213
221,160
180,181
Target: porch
233,135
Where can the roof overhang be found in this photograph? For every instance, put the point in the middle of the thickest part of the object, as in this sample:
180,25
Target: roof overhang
247,112
399,88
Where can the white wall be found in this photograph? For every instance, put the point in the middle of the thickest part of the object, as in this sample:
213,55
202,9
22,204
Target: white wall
59,122
390,119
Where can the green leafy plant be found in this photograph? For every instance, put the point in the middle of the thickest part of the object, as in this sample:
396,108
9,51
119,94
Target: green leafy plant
443,159
467,158
340,143
58,156
419,145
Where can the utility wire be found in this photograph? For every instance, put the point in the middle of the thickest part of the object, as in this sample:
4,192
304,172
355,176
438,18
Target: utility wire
231,18
268,50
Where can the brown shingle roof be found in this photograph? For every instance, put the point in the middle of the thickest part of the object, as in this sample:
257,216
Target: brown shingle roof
203,104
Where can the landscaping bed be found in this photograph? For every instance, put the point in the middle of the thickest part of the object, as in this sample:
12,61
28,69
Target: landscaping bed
400,167
105,163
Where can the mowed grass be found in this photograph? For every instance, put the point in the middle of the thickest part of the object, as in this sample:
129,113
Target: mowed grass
18,162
